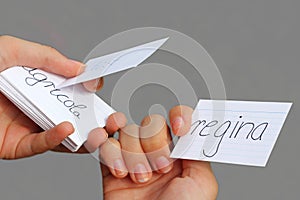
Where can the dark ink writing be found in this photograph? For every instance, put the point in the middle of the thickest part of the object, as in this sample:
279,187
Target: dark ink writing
217,129
37,78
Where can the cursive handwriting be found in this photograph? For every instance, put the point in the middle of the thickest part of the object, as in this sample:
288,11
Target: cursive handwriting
248,130
38,78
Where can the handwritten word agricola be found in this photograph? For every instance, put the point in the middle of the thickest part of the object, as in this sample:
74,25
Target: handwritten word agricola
36,78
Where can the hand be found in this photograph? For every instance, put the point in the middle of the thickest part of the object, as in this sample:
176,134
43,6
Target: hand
19,136
138,164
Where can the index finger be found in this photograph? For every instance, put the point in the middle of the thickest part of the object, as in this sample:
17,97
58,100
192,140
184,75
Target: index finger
15,51
180,119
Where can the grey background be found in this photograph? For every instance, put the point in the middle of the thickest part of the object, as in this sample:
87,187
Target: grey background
254,43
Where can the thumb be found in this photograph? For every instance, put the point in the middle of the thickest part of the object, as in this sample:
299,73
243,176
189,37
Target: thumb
33,144
15,51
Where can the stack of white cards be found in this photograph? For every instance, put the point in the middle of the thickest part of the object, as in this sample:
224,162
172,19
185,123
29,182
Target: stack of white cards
34,92
49,99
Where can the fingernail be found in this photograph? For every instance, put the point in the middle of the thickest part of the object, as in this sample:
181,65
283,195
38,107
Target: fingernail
177,124
163,164
141,174
119,168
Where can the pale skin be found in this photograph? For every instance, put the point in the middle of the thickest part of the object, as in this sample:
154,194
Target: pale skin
136,165
19,136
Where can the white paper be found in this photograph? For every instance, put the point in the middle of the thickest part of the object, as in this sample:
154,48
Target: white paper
115,62
236,132
34,92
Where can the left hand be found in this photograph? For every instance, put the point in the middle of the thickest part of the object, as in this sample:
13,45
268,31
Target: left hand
19,136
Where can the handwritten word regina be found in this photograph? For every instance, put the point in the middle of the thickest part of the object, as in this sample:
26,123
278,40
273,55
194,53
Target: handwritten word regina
248,130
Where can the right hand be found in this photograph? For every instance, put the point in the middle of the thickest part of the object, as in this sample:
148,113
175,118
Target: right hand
138,164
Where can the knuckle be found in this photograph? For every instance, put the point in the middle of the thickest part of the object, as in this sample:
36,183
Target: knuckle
152,118
129,138
112,142
152,145
110,145
181,109
130,130
156,141
153,125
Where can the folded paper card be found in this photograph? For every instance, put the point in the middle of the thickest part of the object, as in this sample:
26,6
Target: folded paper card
236,132
115,62
35,92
